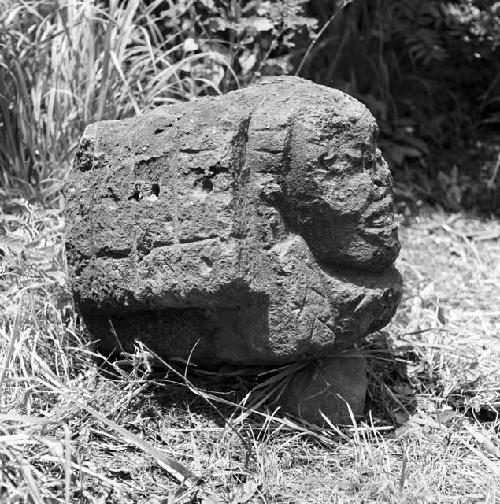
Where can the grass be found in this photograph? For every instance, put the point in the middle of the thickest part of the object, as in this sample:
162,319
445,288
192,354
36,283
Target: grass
75,427
66,64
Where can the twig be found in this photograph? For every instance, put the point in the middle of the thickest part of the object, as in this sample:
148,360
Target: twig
340,4
67,463
420,331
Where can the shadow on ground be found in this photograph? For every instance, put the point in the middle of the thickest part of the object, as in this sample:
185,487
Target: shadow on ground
185,389
391,397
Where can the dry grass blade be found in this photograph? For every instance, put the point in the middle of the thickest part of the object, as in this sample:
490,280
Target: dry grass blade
12,343
25,419
34,493
169,464
67,464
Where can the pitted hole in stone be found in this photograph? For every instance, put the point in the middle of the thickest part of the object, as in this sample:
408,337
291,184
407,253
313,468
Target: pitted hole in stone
321,160
207,185
149,195
155,189
154,192
137,194
205,182
112,195
161,129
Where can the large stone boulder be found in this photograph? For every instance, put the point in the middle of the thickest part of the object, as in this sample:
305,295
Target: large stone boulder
255,227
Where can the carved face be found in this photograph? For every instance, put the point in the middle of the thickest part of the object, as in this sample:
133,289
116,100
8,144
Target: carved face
338,192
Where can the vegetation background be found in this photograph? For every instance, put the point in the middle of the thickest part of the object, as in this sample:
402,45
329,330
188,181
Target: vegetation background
428,70
77,428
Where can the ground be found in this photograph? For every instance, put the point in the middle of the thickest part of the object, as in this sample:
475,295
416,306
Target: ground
75,427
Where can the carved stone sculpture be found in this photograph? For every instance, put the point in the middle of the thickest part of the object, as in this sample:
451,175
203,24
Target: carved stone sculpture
255,227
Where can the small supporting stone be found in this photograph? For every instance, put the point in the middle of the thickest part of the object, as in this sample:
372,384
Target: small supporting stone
329,387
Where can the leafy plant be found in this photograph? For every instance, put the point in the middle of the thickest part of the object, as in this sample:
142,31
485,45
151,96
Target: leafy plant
253,37
429,71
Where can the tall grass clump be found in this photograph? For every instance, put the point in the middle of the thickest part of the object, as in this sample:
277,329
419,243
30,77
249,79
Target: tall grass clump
66,64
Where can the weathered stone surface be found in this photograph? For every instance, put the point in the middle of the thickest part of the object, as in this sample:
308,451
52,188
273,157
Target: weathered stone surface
328,387
255,227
